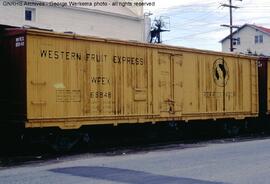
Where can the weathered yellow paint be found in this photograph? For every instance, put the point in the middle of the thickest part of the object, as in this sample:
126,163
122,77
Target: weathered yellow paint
74,81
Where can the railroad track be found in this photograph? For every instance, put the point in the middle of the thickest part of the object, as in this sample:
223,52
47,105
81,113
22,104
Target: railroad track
114,149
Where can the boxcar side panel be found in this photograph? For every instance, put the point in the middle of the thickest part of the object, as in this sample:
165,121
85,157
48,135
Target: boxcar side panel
72,80
202,97
75,81
240,88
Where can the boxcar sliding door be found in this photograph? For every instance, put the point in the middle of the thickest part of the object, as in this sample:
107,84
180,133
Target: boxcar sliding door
170,84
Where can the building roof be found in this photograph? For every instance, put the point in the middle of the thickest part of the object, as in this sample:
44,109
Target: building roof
263,29
259,28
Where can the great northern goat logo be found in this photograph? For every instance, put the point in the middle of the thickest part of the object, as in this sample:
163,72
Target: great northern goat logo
220,72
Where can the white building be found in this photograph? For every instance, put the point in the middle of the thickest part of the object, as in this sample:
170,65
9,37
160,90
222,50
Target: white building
102,20
249,39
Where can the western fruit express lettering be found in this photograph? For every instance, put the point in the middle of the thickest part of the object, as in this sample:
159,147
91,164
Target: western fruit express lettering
55,55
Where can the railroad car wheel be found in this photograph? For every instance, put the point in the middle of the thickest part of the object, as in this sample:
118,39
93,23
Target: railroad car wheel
64,142
231,129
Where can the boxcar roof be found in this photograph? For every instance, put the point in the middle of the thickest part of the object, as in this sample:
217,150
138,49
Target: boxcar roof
40,32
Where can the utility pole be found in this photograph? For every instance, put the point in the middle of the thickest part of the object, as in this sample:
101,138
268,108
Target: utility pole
231,26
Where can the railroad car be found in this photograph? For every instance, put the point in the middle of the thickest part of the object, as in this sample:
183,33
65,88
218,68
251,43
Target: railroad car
70,81
263,64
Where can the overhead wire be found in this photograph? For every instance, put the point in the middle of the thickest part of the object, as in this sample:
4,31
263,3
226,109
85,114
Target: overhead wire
196,21
194,34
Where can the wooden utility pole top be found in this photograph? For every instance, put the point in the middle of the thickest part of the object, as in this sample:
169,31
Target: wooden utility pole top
231,26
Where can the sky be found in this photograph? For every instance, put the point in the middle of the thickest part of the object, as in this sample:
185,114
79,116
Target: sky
196,24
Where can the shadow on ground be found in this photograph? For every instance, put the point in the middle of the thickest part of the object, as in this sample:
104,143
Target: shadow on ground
127,176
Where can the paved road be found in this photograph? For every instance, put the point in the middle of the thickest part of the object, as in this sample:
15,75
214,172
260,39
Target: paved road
228,163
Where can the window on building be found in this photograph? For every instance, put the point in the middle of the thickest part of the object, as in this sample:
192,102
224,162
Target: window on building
30,14
236,41
261,39
258,39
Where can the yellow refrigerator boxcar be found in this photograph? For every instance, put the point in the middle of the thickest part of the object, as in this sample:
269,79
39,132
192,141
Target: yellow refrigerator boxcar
68,81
